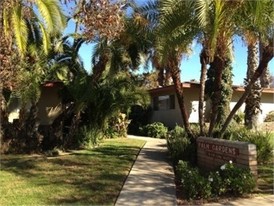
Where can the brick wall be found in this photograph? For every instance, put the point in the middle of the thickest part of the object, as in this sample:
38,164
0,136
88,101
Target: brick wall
212,153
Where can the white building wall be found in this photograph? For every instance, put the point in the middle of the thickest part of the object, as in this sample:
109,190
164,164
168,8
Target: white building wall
172,117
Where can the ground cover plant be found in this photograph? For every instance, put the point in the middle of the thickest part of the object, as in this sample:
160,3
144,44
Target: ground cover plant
227,180
84,177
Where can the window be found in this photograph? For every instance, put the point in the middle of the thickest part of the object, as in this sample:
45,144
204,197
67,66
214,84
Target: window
164,102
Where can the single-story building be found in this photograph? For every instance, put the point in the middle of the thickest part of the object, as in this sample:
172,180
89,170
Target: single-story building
49,103
166,109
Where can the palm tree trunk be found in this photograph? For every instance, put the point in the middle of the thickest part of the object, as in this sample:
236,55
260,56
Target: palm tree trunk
30,129
204,60
218,66
252,102
175,74
99,68
160,69
72,130
267,55
265,78
2,113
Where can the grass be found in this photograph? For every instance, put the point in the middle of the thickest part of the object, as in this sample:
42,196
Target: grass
85,177
266,174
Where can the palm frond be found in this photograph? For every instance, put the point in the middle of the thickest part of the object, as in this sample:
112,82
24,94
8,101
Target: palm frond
6,25
20,29
46,39
51,14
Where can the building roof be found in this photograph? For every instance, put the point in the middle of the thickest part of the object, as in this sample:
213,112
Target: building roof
197,85
59,84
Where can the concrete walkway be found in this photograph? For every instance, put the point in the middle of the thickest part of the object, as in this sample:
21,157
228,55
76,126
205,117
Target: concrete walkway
151,180
264,200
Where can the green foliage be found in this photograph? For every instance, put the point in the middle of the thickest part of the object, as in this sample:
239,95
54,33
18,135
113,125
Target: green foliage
239,117
101,105
31,80
117,126
112,96
262,140
89,137
156,129
180,146
195,186
226,90
217,186
227,180
269,117
232,180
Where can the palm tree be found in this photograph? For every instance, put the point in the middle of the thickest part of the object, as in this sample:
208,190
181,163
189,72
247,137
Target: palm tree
19,21
174,38
218,26
260,26
123,53
212,22
252,102
267,55
251,28
20,18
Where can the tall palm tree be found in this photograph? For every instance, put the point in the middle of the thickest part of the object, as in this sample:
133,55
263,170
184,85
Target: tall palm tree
177,29
218,27
252,102
251,28
212,22
261,24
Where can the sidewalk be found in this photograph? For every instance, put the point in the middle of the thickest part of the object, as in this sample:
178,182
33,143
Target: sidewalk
151,180
264,200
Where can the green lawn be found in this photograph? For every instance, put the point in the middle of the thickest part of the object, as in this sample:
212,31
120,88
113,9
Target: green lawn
85,177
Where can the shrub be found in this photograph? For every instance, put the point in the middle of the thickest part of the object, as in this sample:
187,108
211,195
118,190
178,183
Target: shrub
117,126
227,180
237,181
156,129
262,140
239,117
89,137
179,146
218,188
269,117
195,186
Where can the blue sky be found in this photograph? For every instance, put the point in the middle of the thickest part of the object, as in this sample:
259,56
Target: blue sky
190,66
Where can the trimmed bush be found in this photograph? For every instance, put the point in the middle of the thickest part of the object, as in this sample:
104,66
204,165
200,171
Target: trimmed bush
156,129
226,181
232,180
195,186
179,146
262,140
